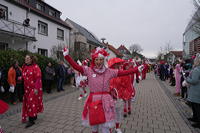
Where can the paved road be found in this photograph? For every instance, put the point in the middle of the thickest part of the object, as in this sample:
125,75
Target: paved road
153,112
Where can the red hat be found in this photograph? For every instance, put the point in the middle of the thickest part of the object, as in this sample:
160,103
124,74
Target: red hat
98,52
114,61
3,107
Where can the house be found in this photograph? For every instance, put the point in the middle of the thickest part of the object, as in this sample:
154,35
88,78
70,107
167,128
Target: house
32,25
194,47
123,50
82,41
191,33
173,56
113,52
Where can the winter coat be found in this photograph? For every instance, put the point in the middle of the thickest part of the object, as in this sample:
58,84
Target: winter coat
32,100
194,85
49,73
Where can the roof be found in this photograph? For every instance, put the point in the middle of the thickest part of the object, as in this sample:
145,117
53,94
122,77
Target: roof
122,47
177,53
91,38
56,20
193,20
114,50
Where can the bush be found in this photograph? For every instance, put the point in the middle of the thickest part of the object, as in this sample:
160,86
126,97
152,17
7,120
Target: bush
7,58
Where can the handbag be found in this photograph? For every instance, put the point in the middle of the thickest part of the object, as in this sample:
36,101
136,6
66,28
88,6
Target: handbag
96,113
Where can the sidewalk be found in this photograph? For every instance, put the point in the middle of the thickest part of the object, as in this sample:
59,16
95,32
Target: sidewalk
152,112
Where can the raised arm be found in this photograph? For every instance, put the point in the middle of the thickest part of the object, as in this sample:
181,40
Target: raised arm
127,72
72,62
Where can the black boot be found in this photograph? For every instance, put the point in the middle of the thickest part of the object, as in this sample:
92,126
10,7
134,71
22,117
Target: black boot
35,118
30,122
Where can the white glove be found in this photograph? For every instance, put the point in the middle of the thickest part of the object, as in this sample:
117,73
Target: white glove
2,89
12,89
65,51
184,84
140,68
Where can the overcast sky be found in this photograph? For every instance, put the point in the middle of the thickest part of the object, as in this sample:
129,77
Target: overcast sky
150,23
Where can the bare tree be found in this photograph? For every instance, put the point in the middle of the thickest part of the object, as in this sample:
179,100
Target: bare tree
135,48
168,47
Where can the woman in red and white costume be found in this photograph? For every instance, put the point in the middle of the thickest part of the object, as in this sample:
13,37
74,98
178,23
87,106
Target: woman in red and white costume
98,82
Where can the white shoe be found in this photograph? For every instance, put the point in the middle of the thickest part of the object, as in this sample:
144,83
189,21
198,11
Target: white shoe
85,95
118,130
80,98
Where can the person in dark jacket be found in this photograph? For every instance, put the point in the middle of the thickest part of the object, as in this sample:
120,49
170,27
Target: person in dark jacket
2,79
49,77
61,74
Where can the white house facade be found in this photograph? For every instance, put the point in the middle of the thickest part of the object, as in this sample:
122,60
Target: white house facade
43,33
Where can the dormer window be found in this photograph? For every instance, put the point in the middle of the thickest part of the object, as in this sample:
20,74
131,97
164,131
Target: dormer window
40,6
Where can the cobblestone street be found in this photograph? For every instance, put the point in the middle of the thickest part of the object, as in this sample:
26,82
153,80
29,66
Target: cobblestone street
152,112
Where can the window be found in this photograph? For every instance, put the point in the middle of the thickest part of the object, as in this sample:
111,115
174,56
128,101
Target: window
60,34
42,28
43,52
52,13
3,46
40,7
3,12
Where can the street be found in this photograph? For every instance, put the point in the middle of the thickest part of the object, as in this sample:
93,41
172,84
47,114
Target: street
152,112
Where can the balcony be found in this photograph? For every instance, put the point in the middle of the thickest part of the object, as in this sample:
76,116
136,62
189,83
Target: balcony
13,28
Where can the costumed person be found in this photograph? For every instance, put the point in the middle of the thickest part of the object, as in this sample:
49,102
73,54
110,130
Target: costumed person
81,81
145,70
193,84
115,63
99,107
32,101
178,70
135,78
3,108
127,90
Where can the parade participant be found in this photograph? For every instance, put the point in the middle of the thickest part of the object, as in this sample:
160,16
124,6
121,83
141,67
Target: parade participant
115,63
193,84
145,70
3,108
127,89
135,78
99,108
32,101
